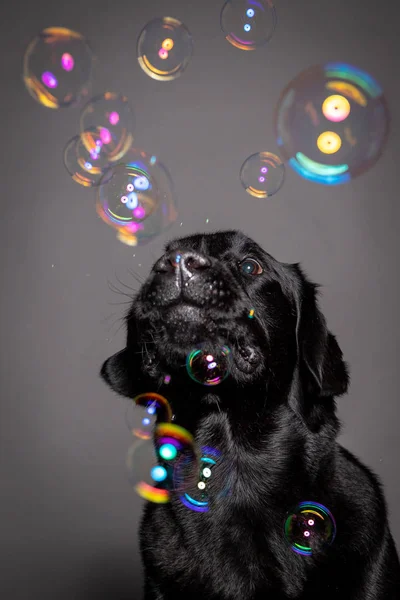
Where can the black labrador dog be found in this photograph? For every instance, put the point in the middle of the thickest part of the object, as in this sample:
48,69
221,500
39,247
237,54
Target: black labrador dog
273,422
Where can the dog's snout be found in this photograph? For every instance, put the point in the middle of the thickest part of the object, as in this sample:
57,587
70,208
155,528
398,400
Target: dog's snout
187,261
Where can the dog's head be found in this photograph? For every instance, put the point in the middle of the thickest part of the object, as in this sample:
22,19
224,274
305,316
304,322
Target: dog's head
224,289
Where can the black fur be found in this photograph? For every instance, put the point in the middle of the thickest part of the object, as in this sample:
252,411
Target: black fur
274,421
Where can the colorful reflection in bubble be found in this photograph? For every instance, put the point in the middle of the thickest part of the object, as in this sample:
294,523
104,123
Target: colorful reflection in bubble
85,168
57,67
164,48
208,365
145,411
332,123
248,24
151,463
310,528
111,118
137,199
262,174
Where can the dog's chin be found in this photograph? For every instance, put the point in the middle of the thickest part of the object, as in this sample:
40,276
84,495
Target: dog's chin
187,325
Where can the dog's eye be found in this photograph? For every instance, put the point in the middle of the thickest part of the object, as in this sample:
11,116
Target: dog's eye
251,267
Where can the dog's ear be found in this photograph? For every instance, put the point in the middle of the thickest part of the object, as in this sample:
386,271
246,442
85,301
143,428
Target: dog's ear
117,372
322,368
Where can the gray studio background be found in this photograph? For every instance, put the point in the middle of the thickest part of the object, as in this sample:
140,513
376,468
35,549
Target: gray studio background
68,516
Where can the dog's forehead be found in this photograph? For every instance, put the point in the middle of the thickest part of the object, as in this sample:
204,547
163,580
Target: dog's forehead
217,243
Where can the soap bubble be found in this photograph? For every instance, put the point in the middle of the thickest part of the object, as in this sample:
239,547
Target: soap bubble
200,490
262,174
106,125
151,462
310,528
332,122
248,24
208,365
164,48
145,411
137,199
85,168
57,67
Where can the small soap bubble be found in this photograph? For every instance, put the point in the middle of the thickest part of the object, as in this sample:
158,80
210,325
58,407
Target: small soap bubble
137,198
111,118
146,410
164,48
310,528
208,365
57,67
332,123
151,463
200,488
262,174
248,24
85,168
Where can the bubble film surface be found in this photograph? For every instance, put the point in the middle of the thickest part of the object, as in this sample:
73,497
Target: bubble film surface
332,122
198,486
310,528
208,365
164,48
248,24
137,198
57,67
151,462
144,412
86,168
106,125
262,174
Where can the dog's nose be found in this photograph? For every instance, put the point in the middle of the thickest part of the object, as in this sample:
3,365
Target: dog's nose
188,262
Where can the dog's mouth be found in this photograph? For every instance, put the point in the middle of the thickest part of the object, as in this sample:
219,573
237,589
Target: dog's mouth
185,326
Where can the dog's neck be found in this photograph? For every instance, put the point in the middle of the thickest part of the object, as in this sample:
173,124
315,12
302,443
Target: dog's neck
254,448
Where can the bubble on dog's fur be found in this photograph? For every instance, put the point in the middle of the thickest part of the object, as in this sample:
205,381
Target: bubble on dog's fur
309,528
143,413
151,463
199,490
208,365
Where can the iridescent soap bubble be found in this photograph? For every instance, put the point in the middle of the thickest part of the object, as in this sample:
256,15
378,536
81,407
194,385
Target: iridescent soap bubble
145,411
164,48
248,24
85,168
57,67
262,174
137,198
198,492
208,365
151,462
109,120
310,528
332,122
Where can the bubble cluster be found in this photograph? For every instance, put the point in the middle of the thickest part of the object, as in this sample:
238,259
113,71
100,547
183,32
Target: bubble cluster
137,198
57,67
248,24
106,125
164,48
332,122
145,411
208,365
262,174
310,528
151,463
